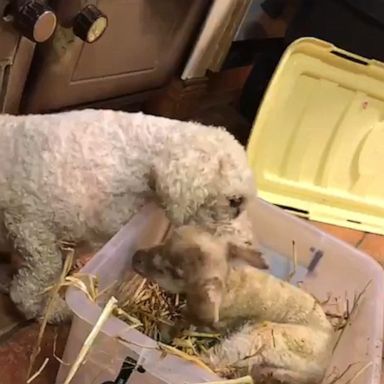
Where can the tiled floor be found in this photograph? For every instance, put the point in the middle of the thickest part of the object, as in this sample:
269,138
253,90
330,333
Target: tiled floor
17,338
370,243
15,352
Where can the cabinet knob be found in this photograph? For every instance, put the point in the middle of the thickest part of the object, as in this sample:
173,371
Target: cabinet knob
35,20
90,24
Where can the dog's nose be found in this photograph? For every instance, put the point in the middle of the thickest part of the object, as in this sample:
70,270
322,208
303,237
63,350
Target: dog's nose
238,211
236,202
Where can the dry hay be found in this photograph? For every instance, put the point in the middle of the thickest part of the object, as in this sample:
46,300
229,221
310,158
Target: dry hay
155,313
142,305
340,318
69,277
145,306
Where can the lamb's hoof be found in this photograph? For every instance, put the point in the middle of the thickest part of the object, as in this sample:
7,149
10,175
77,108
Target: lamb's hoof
273,375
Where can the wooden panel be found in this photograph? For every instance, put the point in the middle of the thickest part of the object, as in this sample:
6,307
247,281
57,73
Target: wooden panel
15,59
141,49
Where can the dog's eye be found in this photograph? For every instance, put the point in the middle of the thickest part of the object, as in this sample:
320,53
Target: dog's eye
236,201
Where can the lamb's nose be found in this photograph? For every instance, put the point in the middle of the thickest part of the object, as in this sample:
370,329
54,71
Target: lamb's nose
138,261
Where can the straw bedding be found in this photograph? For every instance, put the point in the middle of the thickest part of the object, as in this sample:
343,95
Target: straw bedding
155,312
143,305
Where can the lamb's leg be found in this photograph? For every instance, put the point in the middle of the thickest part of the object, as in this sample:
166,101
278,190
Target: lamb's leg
289,353
43,264
278,375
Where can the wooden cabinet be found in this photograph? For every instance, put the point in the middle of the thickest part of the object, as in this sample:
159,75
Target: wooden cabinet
15,59
144,45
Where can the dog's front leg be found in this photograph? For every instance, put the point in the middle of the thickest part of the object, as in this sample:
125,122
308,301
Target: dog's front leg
30,286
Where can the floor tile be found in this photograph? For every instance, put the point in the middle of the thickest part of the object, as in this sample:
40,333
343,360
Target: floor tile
374,246
9,318
81,260
350,236
15,354
18,337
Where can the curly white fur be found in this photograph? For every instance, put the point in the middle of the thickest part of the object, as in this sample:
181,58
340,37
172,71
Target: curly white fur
80,176
286,335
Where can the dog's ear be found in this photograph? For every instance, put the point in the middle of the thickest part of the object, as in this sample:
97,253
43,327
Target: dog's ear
180,186
152,179
225,165
166,192
251,256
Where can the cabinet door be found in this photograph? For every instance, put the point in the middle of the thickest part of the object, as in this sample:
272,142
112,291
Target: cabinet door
15,59
144,44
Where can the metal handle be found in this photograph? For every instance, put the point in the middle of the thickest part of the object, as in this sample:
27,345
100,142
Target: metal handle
33,18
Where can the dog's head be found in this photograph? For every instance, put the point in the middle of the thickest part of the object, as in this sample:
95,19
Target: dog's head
196,263
204,180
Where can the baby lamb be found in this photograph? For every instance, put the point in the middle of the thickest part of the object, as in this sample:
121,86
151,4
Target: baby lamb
77,177
274,329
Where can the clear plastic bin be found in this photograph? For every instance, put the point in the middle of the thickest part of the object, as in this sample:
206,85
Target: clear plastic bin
341,272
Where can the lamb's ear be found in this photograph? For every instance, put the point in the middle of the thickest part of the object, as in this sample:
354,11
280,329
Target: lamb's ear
152,248
251,256
145,252
204,300
164,195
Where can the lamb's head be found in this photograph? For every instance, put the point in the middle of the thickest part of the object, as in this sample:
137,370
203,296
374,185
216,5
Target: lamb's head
196,263
203,179
188,255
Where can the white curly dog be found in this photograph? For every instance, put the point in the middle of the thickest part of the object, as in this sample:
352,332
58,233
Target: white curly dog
79,176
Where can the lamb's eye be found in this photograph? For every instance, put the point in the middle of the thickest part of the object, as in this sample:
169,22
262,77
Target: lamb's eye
236,201
176,273
157,269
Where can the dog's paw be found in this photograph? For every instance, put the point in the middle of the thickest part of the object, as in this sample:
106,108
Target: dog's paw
5,278
34,306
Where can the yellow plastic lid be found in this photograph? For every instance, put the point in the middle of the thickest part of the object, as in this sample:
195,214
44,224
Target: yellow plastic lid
317,144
